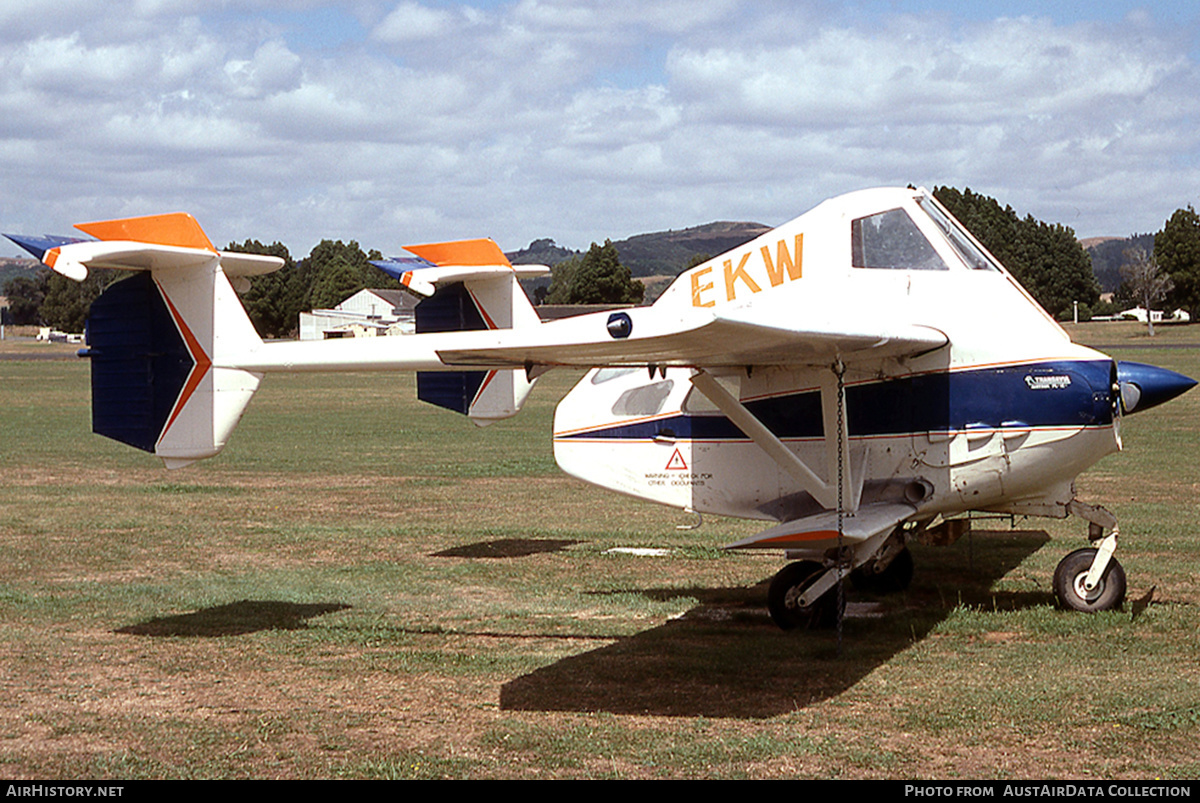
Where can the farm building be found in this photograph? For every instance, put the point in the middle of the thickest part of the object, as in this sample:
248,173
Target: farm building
367,313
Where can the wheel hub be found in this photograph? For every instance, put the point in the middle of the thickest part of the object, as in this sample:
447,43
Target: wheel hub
1082,590
792,598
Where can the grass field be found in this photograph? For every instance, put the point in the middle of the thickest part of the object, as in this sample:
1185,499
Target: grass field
365,587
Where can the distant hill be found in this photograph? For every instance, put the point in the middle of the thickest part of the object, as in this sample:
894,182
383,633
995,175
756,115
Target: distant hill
668,252
1108,254
11,268
656,254
541,252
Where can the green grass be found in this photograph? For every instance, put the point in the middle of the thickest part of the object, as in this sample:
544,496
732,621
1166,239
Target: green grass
361,586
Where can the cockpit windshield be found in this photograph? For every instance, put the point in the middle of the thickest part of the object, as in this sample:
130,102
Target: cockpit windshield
962,243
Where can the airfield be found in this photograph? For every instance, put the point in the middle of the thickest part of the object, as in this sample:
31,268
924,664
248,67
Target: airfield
362,586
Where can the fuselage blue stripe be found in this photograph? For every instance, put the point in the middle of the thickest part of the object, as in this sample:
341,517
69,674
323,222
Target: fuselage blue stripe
1037,395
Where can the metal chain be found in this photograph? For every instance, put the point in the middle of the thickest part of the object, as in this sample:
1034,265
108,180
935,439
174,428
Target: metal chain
840,369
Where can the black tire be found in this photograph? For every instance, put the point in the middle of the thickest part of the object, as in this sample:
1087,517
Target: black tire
896,577
1068,583
789,583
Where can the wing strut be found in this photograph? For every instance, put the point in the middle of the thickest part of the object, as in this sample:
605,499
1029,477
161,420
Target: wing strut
824,491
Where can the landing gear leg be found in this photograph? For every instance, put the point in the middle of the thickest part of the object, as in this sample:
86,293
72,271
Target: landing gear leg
880,577
783,598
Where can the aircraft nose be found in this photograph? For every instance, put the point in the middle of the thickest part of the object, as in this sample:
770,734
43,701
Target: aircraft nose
1144,386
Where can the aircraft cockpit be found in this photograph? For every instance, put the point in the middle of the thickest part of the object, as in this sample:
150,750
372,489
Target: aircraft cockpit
893,240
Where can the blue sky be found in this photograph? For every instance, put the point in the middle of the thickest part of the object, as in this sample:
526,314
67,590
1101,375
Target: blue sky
401,122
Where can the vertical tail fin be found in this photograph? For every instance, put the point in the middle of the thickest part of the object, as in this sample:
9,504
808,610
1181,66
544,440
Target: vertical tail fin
157,339
469,286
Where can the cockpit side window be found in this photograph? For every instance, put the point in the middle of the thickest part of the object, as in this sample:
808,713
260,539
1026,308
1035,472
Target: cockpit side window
890,240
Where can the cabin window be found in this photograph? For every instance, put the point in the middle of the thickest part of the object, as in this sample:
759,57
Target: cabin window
606,374
644,400
890,240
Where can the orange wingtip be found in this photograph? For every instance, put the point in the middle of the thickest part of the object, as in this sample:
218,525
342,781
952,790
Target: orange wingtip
461,252
178,228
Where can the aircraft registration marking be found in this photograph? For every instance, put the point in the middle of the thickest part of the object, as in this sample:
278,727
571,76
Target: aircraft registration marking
785,264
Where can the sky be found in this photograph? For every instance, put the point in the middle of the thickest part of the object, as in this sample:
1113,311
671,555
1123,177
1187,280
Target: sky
407,122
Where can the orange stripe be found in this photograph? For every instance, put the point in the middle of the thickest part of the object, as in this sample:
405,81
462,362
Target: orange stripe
179,229
483,386
486,318
203,363
816,535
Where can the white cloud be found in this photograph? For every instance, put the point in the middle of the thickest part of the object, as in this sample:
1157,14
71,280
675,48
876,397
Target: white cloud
412,21
577,119
273,69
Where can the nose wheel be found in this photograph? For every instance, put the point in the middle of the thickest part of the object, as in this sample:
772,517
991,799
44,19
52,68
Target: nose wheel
1071,583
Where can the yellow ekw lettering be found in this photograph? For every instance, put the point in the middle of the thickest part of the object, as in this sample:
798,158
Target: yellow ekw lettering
784,261
698,288
783,264
732,275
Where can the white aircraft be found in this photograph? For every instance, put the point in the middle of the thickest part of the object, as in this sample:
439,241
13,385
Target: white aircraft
859,378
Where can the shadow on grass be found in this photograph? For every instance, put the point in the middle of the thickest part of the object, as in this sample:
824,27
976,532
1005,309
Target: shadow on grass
725,658
236,618
506,548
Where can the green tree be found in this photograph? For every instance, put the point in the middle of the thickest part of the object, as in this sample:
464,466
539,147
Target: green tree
336,281
1045,258
25,296
602,279
1177,250
68,302
349,270
266,300
562,276
332,271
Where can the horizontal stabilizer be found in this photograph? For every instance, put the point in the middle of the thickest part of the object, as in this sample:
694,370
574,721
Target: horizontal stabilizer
458,261
178,229
466,253
158,242
38,246
421,276
819,530
401,269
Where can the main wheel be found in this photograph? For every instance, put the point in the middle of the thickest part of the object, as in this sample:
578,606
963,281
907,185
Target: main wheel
783,595
1072,570
896,577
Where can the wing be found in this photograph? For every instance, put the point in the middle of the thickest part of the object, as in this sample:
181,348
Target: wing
749,334
820,530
